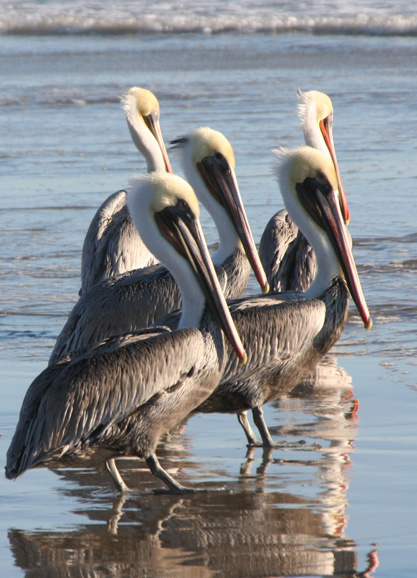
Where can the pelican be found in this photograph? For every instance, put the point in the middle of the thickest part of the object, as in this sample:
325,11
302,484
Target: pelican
208,162
286,334
137,299
285,253
112,244
119,397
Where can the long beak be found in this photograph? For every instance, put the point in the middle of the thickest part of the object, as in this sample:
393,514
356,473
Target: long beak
152,122
326,128
220,179
332,220
184,232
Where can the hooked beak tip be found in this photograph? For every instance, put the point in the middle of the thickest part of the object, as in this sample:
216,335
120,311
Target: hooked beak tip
244,358
265,288
368,324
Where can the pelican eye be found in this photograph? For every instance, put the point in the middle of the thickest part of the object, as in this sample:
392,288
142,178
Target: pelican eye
323,184
328,121
184,211
220,161
150,120
182,204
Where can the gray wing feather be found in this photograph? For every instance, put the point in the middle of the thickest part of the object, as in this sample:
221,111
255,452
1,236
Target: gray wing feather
287,257
72,400
119,305
112,244
273,332
122,304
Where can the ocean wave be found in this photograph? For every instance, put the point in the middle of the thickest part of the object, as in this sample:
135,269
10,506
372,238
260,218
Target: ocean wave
75,23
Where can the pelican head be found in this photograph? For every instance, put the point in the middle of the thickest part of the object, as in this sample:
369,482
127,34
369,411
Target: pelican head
209,164
141,108
314,104
309,186
165,210
315,110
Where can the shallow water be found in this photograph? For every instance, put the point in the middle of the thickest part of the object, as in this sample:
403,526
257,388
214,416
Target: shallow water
337,506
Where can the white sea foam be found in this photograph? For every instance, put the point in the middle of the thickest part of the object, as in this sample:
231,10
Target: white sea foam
55,18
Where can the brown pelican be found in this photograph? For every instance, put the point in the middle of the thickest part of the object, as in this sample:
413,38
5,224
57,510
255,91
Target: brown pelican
208,162
119,397
112,244
286,255
287,334
136,299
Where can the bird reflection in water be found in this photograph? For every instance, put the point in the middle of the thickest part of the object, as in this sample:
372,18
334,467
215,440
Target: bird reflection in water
285,516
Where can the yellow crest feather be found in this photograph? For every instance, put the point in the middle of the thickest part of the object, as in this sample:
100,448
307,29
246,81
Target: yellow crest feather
206,142
145,101
308,162
168,189
320,100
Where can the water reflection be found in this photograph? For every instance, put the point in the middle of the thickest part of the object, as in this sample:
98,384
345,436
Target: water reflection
285,515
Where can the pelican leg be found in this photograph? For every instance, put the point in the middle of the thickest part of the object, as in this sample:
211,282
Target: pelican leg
173,486
267,441
247,428
121,487
258,418
158,471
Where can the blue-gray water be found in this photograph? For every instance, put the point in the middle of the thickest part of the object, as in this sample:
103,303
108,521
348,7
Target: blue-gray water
65,146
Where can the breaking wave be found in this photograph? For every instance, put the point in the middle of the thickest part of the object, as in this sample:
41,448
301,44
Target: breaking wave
55,19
